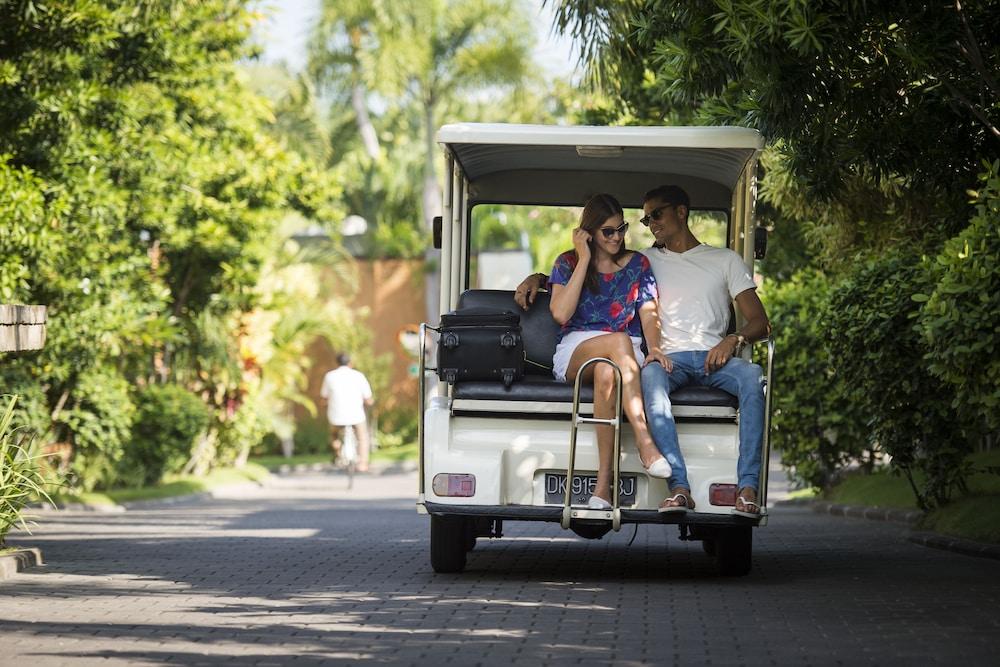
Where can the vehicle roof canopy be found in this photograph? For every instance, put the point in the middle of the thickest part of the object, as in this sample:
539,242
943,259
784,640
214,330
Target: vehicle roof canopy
559,165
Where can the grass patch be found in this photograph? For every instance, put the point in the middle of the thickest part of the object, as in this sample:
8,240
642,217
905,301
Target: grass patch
274,462
170,487
973,516
405,452
880,489
91,498
804,494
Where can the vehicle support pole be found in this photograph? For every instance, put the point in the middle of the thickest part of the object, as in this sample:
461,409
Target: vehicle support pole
421,408
766,454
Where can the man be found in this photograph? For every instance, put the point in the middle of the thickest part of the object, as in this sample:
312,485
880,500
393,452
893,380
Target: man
696,284
347,393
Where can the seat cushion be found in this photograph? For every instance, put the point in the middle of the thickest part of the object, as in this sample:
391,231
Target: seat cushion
549,390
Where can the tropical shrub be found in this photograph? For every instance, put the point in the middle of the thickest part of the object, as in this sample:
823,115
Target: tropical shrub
959,314
312,435
815,425
241,432
168,418
880,356
20,479
99,421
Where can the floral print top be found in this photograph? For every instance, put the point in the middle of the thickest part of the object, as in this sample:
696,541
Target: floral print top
616,305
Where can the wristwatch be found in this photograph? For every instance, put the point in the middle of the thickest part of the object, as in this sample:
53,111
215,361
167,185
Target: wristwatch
741,342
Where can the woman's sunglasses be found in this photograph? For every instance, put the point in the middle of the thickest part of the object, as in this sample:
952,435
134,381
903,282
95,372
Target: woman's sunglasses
610,232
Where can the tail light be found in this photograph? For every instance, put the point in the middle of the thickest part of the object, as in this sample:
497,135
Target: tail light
722,494
457,485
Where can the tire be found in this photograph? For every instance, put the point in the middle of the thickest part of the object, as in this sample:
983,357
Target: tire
734,551
470,535
448,543
708,545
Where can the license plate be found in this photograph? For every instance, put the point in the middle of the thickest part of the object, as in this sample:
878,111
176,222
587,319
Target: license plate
583,488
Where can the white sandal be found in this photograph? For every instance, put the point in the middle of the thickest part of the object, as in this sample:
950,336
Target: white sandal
677,497
747,513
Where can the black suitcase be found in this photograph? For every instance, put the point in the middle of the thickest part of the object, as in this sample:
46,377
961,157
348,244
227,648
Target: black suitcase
480,344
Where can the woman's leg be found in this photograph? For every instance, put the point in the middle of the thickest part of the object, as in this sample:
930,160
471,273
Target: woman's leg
604,401
618,348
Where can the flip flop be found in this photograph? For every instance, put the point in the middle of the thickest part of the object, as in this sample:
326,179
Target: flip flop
746,503
685,498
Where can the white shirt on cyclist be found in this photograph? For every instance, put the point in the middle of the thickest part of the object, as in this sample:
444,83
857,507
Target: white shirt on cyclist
345,391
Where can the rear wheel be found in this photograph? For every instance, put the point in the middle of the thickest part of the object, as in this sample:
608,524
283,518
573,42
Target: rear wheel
470,535
708,545
733,551
448,543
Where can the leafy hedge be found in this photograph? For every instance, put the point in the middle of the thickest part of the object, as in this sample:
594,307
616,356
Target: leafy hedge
960,315
896,356
168,418
881,357
816,426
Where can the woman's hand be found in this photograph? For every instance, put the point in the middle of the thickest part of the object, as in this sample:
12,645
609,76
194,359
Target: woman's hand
656,355
581,243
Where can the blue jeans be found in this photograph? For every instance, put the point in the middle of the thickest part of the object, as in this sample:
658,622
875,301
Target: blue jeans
740,378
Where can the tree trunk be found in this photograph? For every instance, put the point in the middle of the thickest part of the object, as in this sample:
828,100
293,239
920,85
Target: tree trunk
359,101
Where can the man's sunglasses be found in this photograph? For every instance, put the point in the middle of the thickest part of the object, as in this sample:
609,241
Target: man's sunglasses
610,232
655,214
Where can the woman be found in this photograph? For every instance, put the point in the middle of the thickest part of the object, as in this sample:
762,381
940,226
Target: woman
604,297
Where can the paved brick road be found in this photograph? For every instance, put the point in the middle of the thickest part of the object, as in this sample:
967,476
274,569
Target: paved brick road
304,573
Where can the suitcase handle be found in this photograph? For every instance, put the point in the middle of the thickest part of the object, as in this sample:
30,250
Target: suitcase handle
508,340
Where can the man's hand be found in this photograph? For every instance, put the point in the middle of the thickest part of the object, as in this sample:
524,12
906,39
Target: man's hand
720,354
526,292
656,356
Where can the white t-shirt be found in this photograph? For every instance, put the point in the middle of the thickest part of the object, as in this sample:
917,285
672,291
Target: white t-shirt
696,289
345,391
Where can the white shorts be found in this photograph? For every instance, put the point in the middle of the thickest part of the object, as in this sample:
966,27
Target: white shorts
565,348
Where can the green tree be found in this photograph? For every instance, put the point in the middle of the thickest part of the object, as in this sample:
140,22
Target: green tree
958,317
851,87
143,189
422,57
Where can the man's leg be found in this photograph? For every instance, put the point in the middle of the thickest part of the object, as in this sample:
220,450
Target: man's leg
336,440
745,381
657,384
361,437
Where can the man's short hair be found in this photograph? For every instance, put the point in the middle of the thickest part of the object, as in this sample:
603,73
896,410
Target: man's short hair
669,194
343,358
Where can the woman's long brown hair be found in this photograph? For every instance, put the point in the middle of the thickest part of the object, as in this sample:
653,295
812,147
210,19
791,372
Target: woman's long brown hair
595,212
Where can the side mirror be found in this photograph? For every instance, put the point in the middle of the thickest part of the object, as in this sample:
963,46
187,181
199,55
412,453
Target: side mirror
436,231
759,242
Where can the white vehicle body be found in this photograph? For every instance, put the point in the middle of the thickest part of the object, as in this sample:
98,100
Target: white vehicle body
513,443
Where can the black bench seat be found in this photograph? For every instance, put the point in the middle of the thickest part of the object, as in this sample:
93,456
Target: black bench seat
539,331
548,390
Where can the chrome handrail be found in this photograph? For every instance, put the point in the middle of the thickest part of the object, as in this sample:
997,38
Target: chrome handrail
766,444
616,514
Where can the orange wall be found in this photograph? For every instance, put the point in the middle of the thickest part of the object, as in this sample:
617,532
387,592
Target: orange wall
393,292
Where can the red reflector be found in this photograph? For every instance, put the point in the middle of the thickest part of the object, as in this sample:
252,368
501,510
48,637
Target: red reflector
722,494
454,485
